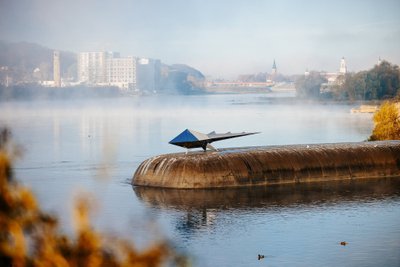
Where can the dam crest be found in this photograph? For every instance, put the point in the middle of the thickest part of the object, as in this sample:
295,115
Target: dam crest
268,165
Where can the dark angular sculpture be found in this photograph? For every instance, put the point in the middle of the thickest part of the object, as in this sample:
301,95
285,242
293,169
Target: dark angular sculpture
192,139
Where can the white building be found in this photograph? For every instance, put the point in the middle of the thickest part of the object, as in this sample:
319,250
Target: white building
92,67
121,72
109,69
332,77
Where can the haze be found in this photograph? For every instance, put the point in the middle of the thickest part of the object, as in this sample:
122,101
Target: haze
220,38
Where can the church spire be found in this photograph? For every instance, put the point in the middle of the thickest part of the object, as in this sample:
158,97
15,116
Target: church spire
274,69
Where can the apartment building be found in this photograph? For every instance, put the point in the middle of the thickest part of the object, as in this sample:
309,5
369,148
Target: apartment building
121,72
92,67
109,69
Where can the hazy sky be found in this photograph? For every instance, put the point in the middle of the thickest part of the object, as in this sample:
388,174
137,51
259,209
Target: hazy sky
220,38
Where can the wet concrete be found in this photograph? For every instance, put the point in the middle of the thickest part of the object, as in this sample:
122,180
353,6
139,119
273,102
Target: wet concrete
253,166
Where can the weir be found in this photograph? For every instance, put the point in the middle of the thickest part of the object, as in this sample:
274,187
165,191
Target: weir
269,165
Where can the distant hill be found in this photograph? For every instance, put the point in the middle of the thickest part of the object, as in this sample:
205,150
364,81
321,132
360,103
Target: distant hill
32,62
182,79
187,69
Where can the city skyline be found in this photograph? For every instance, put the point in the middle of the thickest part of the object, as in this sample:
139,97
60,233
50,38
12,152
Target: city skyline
221,38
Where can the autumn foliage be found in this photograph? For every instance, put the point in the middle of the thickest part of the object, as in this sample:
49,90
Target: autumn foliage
31,237
387,122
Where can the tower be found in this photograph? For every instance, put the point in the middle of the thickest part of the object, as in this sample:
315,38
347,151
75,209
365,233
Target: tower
274,70
343,67
56,69
271,77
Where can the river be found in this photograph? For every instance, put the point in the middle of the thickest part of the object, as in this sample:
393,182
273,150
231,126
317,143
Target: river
94,146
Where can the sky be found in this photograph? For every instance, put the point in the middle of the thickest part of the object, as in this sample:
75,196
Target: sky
221,38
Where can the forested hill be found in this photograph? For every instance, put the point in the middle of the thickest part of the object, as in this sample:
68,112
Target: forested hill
29,61
182,79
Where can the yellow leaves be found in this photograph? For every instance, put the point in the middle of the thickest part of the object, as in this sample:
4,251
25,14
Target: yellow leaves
387,122
15,200
81,213
47,253
14,245
5,176
5,169
31,237
27,200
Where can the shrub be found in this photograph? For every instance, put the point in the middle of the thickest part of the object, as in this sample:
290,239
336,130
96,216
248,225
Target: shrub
31,237
387,122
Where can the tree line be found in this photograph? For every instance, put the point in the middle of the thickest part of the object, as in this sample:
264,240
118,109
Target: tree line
380,82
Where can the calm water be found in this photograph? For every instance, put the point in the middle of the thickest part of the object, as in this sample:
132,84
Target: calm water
95,147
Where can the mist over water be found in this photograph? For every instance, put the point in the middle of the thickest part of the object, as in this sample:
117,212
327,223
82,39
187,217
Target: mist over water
97,145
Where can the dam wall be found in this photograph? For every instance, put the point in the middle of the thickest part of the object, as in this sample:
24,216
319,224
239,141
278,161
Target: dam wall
268,165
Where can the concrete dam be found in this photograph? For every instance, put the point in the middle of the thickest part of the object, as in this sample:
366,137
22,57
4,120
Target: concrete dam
270,165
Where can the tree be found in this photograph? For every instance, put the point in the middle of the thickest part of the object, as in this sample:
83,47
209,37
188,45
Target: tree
308,86
355,86
386,80
387,122
31,237
380,82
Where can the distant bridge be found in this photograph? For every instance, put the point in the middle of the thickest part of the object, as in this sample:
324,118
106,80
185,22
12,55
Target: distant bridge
239,84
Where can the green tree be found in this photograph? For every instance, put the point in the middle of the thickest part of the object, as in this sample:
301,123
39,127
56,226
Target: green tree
387,122
380,82
308,86
386,80
355,85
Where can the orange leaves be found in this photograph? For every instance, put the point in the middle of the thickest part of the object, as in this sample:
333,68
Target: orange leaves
31,237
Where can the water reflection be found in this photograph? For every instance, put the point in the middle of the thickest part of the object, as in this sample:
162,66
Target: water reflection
202,206
65,142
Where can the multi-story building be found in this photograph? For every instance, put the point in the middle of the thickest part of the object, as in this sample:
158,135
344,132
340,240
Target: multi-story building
108,68
92,67
121,72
